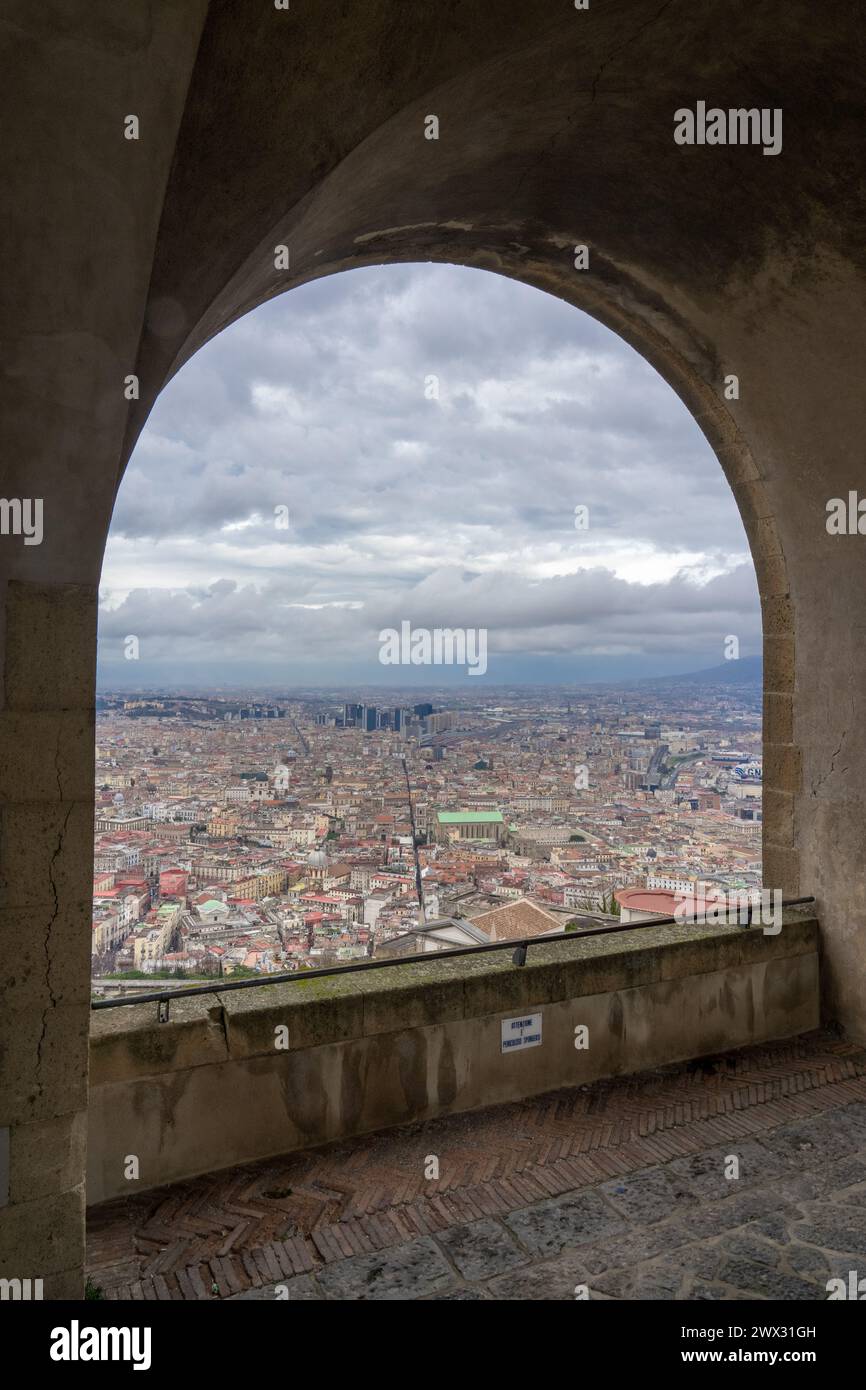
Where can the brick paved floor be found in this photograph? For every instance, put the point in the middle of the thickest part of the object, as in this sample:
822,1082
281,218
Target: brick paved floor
619,1186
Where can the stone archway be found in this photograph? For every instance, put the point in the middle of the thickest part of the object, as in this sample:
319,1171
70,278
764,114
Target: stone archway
306,128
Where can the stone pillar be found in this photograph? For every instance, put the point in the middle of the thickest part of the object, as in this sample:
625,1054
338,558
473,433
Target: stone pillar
80,233
46,855
799,345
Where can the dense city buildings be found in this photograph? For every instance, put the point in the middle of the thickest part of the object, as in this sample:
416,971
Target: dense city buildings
238,836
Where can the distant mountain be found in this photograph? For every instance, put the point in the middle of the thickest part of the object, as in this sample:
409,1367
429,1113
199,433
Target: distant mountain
748,670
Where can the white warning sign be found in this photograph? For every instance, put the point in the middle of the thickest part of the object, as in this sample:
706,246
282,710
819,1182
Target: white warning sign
521,1032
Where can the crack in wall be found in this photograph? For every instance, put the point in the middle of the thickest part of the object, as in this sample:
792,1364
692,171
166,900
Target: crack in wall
816,785
626,43
57,762
52,998
536,164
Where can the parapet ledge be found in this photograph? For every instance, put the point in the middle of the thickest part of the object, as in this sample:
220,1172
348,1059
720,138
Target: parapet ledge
128,1042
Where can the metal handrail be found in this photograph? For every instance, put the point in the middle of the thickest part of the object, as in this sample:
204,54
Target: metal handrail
519,948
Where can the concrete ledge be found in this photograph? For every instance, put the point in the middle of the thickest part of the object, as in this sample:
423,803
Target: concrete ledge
210,1088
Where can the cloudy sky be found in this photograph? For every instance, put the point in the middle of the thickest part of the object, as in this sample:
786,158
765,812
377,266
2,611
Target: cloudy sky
428,432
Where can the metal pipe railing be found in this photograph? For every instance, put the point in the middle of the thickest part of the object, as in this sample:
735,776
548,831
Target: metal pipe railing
519,948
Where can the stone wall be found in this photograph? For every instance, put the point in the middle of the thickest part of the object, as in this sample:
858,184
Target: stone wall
83,211
210,1088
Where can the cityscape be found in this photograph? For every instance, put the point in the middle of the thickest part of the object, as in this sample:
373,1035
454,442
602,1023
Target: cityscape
237,835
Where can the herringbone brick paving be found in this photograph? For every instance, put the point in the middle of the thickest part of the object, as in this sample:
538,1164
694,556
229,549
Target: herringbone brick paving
253,1226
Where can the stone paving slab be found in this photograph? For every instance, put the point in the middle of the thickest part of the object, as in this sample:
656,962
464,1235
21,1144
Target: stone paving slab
481,1250
548,1227
405,1271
